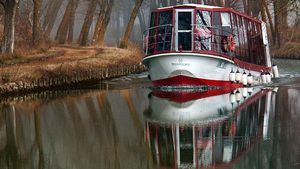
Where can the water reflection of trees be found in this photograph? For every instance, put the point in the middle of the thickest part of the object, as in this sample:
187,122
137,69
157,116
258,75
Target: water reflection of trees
69,132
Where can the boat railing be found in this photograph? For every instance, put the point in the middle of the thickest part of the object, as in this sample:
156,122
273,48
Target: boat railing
160,39
157,38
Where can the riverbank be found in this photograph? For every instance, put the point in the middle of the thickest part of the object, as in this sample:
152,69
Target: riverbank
67,67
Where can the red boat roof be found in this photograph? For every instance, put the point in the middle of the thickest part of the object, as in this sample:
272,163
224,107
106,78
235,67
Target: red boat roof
208,8
191,5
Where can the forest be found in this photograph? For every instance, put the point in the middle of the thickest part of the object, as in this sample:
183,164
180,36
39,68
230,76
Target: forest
39,24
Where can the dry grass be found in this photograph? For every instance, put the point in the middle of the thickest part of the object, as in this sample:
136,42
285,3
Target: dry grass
65,60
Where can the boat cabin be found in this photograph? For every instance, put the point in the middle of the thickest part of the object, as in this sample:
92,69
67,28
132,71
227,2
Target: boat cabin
205,29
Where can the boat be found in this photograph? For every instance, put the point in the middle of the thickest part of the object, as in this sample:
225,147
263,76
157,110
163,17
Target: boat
205,129
200,45
199,106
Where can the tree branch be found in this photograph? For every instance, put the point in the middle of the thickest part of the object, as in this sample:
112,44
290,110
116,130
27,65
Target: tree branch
2,2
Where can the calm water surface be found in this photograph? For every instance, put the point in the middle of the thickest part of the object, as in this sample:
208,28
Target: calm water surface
125,125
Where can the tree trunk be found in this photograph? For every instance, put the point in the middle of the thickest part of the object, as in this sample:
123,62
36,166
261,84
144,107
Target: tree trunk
99,24
265,6
36,29
245,6
118,24
280,17
102,23
62,32
253,8
262,11
71,22
48,13
84,35
51,16
124,41
9,26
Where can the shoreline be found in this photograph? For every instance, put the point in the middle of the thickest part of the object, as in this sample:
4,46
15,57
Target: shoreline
72,68
75,81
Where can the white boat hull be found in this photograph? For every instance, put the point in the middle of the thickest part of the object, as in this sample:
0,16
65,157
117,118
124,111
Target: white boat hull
191,69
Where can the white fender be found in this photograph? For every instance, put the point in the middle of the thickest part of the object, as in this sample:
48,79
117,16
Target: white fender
244,79
232,97
268,77
238,76
250,79
232,75
245,92
275,89
250,90
275,71
238,96
263,78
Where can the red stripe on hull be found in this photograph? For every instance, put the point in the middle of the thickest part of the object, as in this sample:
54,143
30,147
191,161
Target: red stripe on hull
190,81
181,96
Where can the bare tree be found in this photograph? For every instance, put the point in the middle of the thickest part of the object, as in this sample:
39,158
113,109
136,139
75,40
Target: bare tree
10,7
62,32
102,22
36,29
280,18
124,41
50,16
83,38
72,22
266,10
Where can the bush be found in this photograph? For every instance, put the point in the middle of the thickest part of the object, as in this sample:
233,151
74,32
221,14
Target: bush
288,50
6,78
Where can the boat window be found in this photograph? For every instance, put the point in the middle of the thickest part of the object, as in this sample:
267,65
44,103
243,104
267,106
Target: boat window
184,41
216,19
165,18
203,18
241,36
153,18
185,20
184,34
252,45
245,30
236,35
152,34
164,31
203,30
216,40
261,56
225,19
226,24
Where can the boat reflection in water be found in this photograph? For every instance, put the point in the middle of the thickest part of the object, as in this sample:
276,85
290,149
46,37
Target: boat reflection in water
205,129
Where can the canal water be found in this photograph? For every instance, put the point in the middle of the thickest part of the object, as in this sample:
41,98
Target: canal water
123,124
